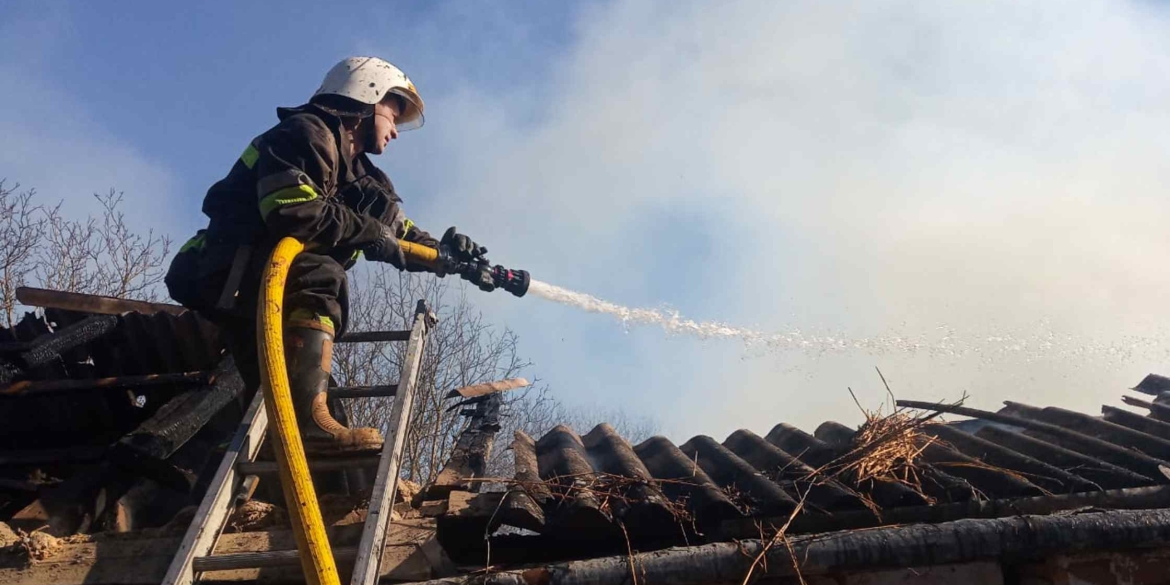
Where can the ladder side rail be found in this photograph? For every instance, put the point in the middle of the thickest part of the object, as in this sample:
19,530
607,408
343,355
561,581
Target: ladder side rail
213,512
373,541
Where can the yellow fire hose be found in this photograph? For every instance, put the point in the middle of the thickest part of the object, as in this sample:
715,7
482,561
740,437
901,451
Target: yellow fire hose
479,271
419,253
299,495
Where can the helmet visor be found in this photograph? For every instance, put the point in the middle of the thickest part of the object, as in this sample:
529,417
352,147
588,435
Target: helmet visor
412,115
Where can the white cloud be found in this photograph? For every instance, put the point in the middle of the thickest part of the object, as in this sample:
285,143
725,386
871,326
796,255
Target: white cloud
991,167
55,143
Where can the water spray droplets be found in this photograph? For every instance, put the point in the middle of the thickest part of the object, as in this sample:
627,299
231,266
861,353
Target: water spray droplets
1034,344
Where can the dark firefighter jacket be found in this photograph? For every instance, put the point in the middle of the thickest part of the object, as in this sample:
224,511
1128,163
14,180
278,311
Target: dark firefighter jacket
293,180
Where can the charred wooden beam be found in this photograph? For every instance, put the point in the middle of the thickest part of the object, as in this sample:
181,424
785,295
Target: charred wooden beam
49,346
40,387
473,447
917,545
183,415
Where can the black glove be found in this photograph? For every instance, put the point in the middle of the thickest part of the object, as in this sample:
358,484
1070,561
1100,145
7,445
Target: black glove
461,247
386,249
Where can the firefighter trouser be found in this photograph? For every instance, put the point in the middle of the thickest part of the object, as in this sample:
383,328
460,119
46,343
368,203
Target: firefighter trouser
316,284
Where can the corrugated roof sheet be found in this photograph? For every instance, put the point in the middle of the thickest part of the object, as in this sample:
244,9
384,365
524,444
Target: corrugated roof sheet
596,483
130,344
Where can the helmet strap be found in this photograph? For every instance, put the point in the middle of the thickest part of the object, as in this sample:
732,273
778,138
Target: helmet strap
368,138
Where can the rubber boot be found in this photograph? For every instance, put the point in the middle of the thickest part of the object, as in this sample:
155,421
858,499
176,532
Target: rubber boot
309,356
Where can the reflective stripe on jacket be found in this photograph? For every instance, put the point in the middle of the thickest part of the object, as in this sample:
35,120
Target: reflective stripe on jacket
285,184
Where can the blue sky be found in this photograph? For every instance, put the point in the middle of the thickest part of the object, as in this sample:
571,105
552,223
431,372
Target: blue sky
993,171
184,87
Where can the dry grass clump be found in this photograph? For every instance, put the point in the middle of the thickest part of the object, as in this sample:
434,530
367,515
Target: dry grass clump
885,448
888,447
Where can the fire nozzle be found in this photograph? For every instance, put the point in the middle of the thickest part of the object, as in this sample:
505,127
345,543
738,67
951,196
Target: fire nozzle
513,281
479,272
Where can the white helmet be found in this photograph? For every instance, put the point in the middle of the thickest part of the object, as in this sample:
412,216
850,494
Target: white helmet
368,80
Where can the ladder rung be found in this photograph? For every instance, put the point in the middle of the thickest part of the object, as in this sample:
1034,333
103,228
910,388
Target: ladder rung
258,560
267,467
374,336
363,391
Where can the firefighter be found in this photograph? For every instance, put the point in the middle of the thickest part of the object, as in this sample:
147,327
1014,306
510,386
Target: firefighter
309,177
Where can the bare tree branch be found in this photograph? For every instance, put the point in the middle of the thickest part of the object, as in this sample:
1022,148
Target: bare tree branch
462,349
20,233
103,255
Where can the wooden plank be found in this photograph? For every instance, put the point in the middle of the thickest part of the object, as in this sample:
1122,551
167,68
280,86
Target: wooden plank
215,508
369,553
487,388
82,303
